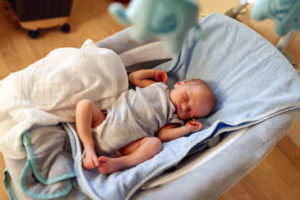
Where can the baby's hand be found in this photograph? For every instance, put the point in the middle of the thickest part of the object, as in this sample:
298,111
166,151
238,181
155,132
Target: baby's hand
160,76
193,125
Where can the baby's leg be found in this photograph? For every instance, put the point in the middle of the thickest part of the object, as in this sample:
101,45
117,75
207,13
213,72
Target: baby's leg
88,116
133,154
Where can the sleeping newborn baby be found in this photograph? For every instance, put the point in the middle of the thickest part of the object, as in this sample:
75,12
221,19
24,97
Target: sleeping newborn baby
139,121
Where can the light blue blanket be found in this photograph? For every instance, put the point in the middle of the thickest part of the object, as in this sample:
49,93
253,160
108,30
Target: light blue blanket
252,82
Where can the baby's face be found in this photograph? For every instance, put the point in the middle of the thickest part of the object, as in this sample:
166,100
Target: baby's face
190,101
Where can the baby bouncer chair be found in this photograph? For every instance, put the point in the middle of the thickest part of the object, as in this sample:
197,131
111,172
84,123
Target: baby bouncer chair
258,98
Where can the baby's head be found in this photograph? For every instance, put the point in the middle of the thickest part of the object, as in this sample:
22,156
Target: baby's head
192,99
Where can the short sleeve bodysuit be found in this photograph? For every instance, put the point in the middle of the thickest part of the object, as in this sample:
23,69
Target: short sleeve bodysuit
136,114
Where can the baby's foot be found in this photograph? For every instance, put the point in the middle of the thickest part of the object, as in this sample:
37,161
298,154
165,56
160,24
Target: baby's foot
109,165
90,160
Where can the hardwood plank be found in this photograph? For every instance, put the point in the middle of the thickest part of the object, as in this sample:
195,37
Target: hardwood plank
91,20
275,178
3,68
290,151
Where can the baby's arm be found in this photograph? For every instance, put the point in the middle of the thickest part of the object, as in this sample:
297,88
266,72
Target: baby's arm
174,131
145,77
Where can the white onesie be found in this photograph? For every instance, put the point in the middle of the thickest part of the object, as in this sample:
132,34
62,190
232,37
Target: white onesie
136,114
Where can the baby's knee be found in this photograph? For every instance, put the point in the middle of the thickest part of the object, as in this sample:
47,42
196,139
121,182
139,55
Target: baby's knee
84,104
154,142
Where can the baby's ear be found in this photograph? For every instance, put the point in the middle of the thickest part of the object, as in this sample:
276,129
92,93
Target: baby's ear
179,83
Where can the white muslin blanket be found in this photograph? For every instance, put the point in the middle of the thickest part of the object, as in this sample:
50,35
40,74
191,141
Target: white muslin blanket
46,92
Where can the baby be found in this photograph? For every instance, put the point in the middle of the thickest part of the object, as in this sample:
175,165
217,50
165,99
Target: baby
140,120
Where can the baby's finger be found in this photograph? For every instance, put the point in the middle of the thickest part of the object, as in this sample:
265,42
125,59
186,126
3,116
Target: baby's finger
164,77
199,125
161,76
193,122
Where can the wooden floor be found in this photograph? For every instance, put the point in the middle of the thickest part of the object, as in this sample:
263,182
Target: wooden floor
278,177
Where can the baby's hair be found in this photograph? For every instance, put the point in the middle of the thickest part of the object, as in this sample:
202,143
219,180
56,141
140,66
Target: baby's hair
210,94
196,82
199,82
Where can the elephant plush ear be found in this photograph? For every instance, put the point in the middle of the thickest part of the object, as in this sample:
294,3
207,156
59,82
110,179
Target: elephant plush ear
119,13
285,13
